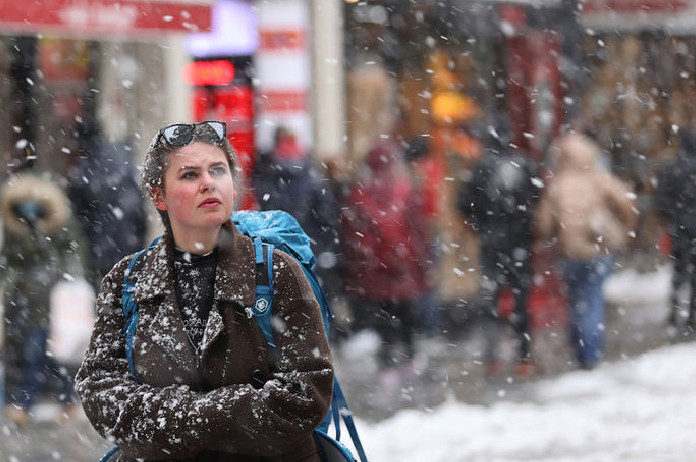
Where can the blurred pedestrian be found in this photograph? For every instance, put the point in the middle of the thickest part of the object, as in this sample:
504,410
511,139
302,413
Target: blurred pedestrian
426,178
103,189
285,179
41,245
201,384
588,213
385,255
498,201
675,198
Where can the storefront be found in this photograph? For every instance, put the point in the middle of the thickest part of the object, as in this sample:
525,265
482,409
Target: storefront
641,55
121,68
76,69
448,72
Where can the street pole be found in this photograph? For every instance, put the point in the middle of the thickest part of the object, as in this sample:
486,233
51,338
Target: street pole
328,79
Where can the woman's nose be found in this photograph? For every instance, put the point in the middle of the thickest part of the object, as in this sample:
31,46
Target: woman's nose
206,182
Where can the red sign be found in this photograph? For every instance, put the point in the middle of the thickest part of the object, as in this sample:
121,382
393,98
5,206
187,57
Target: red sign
205,73
282,40
105,17
284,101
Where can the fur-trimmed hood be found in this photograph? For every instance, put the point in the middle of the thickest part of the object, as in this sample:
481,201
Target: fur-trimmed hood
49,197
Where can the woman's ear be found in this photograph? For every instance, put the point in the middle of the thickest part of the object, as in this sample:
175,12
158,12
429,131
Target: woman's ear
156,194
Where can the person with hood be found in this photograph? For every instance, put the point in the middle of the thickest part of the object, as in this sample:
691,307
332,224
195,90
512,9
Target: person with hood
204,386
498,201
41,246
284,179
385,255
589,213
675,198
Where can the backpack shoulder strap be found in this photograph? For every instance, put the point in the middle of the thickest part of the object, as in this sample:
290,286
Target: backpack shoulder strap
263,300
128,304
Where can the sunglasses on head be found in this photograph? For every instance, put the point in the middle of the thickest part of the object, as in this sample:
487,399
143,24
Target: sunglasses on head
178,135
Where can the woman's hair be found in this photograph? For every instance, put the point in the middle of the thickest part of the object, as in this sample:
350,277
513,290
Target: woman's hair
159,154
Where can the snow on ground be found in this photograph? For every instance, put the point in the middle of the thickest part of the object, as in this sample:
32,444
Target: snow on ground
639,410
630,286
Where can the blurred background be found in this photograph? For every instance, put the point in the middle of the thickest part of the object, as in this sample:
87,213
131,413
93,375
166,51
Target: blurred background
315,86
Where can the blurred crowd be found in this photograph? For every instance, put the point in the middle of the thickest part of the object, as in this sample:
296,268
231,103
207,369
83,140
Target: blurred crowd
376,229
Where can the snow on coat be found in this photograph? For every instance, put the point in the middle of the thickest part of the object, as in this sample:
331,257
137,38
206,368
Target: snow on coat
186,403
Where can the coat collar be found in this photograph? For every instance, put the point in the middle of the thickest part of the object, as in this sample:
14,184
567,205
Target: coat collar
235,278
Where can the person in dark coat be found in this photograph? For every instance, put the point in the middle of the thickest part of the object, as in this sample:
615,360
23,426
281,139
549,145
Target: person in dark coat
103,189
675,198
498,201
284,179
205,386
41,245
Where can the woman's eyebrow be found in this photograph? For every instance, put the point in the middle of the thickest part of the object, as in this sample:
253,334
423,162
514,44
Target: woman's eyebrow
198,167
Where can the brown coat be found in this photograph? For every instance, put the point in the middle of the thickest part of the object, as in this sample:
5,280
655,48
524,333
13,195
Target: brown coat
587,209
185,403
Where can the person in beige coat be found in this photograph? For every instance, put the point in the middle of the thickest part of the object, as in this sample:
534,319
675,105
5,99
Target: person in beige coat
588,214
204,386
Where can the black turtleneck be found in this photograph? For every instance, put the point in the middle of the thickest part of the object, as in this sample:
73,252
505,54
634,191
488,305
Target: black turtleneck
195,283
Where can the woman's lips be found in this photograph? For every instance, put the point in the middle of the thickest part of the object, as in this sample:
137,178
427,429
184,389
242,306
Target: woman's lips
210,203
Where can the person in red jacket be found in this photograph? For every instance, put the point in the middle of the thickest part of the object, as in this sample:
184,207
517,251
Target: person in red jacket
385,252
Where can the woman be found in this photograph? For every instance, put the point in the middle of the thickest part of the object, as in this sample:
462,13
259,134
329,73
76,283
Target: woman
205,388
590,213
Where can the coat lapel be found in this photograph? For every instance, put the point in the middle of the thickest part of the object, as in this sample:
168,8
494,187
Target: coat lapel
235,280
159,315
235,283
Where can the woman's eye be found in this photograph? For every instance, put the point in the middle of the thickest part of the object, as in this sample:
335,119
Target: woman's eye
188,175
218,171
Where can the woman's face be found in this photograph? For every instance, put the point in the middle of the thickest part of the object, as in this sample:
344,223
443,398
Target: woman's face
198,192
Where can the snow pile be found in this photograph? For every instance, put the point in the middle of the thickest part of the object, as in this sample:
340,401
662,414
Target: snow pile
642,410
630,286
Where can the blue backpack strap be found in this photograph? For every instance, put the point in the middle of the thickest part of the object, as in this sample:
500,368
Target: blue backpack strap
109,455
128,304
130,313
264,293
339,406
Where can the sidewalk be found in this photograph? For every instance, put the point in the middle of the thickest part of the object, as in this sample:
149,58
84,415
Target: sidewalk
444,368
48,440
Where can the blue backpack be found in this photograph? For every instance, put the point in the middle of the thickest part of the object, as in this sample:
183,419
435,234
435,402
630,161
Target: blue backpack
269,230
